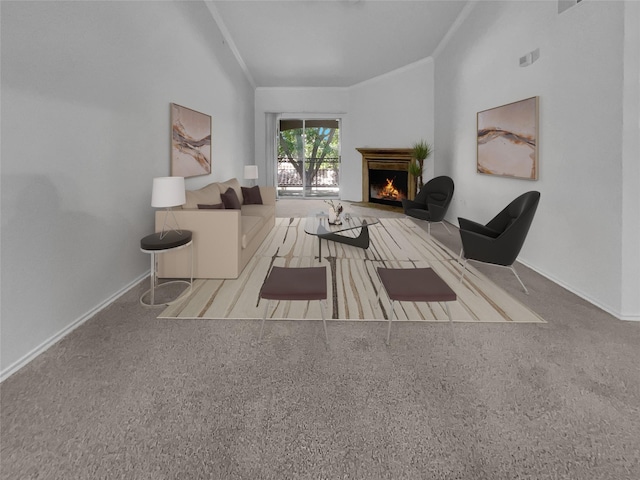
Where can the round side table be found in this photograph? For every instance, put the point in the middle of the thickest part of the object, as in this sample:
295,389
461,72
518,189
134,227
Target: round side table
158,243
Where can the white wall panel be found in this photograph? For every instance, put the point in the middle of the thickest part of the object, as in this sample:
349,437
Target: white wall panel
576,236
393,110
86,88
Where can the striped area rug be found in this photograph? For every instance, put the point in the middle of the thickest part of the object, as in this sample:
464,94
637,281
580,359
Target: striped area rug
353,282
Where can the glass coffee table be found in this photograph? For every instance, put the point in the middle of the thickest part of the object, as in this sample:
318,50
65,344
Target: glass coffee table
318,224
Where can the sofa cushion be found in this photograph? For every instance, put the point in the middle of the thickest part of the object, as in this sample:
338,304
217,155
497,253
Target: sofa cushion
207,195
230,199
262,211
216,206
235,184
250,226
251,195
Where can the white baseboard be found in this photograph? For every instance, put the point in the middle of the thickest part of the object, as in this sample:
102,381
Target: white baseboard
17,365
610,310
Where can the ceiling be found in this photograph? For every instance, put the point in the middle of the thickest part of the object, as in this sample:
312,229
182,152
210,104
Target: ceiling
331,43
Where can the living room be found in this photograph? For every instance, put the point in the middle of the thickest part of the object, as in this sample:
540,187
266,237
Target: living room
86,88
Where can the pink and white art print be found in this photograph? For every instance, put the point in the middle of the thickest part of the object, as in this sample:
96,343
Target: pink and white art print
508,140
190,142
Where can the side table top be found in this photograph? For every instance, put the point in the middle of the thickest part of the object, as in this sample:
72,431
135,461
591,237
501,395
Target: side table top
171,239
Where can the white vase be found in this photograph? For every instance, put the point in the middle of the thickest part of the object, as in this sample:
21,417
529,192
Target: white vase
334,218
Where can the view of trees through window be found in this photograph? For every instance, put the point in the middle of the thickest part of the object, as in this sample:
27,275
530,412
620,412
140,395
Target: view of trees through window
309,157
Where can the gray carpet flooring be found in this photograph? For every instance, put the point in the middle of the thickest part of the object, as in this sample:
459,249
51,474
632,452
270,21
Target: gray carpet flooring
128,396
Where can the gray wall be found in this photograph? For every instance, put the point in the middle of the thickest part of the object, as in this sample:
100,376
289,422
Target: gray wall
577,236
86,88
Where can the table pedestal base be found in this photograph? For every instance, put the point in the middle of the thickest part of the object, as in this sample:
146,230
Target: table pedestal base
361,241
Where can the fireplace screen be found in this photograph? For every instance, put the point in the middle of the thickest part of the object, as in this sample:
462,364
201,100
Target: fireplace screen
388,187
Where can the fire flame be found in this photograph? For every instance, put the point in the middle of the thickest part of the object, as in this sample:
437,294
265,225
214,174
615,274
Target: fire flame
389,191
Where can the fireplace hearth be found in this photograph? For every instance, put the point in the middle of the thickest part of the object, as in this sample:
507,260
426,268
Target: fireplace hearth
385,175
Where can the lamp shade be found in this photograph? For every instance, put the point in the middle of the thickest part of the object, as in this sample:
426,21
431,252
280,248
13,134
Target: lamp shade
250,172
168,192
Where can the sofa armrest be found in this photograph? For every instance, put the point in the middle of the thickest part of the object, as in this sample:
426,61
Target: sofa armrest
216,245
268,195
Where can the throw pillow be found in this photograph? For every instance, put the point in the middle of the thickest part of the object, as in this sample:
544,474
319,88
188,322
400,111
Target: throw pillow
230,199
252,195
209,194
216,206
233,183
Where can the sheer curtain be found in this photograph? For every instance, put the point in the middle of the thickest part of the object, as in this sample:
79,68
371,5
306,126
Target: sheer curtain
271,132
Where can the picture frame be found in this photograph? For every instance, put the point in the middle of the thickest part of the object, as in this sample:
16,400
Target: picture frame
507,140
190,142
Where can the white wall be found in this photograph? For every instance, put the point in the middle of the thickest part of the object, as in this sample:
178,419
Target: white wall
86,88
631,165
576,236
393,110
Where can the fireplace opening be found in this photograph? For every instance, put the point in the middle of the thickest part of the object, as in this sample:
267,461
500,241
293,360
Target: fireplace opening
385,175
388,187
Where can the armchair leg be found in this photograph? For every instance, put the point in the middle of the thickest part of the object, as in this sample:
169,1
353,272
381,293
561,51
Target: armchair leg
446,228
518,277
464,269
510,267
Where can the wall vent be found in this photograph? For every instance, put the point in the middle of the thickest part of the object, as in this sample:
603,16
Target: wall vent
529,58
564,5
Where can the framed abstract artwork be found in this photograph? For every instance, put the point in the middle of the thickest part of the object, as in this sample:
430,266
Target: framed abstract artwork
508,140
190,142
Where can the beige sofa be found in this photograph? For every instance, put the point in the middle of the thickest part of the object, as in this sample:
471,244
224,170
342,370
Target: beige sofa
224,240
